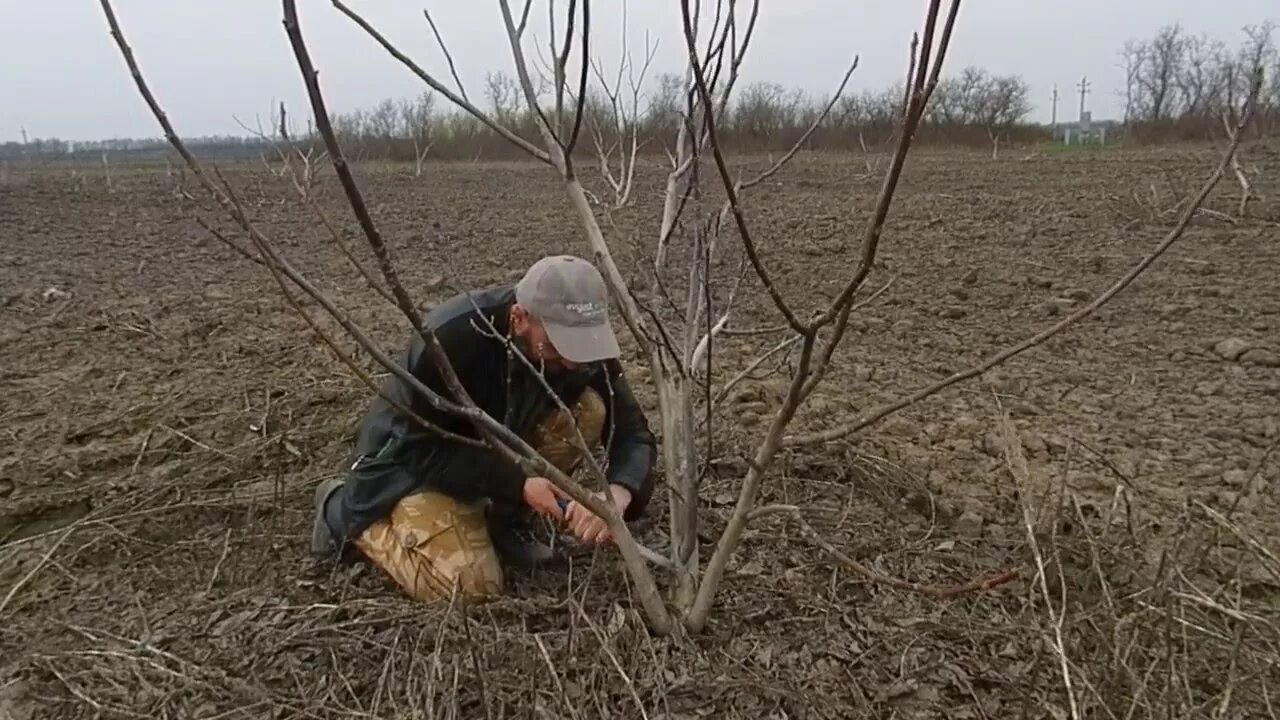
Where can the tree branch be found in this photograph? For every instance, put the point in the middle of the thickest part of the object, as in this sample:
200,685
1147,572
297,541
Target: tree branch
582,82
279,268
746,372
1172,237
696,616
524,17
453,70
440,88
739,218
915,112
745,185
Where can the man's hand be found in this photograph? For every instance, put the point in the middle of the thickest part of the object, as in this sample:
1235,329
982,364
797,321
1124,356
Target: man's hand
589,528
542,496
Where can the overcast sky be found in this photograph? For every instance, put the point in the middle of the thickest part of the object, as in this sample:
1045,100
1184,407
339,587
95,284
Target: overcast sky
210,60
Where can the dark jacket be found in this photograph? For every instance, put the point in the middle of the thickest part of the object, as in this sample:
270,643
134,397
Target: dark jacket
395,457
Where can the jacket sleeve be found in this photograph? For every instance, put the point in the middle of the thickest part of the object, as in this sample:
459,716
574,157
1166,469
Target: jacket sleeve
460,471
632,446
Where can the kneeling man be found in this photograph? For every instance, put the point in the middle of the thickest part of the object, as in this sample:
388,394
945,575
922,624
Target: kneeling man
435,514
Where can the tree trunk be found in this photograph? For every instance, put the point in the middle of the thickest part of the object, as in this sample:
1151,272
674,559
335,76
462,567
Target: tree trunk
679,458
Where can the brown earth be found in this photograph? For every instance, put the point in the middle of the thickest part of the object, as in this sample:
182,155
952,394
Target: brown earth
166,415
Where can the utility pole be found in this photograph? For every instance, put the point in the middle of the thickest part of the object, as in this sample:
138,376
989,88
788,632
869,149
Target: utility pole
24,136
1084,90
1054,121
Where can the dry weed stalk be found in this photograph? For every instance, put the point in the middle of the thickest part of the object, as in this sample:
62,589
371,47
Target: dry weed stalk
1171,630
1016,462
676,355
1233,129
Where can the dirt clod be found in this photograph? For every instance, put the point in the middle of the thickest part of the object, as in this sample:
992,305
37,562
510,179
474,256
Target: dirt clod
970,523
1231,348
1235,478
1261,357
1033,442
54,293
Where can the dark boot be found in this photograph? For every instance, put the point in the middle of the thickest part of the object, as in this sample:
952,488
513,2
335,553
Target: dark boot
513,538
322,540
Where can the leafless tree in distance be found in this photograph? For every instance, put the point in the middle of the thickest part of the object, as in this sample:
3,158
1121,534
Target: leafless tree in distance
614,119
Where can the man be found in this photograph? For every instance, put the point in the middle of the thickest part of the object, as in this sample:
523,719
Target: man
435,514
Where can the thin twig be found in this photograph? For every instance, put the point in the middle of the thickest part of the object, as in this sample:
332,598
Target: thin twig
453,70
35,569
604,645
1017,465
746,372
804,137
555,675
936,592
217,567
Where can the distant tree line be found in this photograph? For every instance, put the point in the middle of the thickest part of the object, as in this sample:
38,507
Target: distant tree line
129,149
975,107
1178,86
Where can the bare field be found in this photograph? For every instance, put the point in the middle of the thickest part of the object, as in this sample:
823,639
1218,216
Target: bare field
166,414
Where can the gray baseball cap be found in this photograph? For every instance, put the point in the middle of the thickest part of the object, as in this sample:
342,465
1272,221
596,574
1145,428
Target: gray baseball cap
568,296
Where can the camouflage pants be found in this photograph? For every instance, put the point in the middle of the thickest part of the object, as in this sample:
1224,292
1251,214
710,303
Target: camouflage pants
431,543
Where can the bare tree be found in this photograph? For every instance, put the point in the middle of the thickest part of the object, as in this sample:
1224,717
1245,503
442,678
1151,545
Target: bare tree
299,160
300,152
503,96
1158,77
614,120
665,105
1200,76
1003,101
1238,74
418,118
679,342
763,111
1131,60
1259,54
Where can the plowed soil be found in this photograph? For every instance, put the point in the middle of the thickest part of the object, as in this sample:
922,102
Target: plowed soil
165,415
